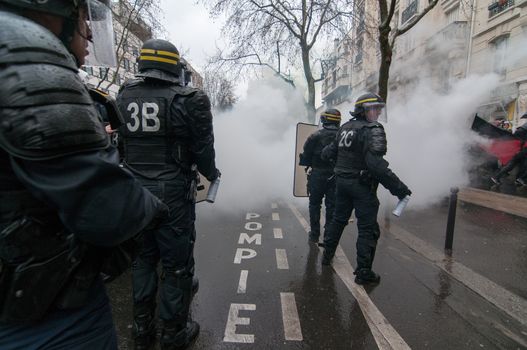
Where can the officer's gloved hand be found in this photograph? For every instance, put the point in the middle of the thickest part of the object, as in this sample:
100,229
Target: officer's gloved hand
214,176
403,192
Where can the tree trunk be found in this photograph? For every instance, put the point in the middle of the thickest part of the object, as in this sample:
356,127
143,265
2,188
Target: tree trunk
386,60
310,83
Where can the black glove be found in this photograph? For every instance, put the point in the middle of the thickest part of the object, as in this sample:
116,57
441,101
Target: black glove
403,192
214,175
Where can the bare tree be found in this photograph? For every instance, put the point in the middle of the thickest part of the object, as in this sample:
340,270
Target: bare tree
276,33
387,37
220,90
135,20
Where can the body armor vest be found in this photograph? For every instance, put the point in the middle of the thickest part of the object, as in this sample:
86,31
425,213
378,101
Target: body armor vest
45,112
322,138
149,136
351,143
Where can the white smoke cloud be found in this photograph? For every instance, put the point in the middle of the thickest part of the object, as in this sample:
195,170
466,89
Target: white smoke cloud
429,135
255,145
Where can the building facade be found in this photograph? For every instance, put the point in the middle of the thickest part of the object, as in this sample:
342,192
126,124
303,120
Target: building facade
455,39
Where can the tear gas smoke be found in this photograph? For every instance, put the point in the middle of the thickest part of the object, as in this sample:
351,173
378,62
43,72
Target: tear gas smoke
255,145
429,135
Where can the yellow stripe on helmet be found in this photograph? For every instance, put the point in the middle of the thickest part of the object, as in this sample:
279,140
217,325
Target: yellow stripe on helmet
158,59
331,116
160,52
373,99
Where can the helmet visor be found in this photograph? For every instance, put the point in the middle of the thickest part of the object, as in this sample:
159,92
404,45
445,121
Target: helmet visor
101,48
375,111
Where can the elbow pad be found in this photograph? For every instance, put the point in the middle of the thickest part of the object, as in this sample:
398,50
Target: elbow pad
377,141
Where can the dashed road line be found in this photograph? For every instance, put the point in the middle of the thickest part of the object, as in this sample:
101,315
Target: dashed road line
383,332
278,234
281,259
276,216
274,205
292,329
510,303
242,284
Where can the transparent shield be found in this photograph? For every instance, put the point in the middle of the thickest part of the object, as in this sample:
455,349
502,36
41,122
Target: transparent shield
303,131
101,48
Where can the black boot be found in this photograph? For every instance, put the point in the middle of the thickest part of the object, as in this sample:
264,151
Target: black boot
144,332
366,276
177,338
327,256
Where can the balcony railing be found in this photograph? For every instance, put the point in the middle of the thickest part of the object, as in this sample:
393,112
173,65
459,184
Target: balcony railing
409,11
499,6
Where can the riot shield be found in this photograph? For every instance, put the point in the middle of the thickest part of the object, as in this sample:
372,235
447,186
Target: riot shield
303,130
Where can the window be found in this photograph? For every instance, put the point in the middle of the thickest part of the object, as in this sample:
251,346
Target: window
453,16
500,47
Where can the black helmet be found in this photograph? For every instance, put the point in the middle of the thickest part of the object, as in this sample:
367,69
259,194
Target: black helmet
330,116
159,54
365,102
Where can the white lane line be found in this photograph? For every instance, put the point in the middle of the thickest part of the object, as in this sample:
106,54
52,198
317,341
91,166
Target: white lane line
281,259
242,284
510,303
276,217
384,334
290,317
274,205
277,232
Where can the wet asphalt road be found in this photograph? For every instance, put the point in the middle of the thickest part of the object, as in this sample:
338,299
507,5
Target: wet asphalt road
295,303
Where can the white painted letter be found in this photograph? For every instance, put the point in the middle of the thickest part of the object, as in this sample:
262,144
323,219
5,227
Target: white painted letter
249,239
239,255
251,216
253,226
230,329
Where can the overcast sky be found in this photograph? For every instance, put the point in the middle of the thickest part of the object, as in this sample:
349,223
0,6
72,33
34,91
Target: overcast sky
191,29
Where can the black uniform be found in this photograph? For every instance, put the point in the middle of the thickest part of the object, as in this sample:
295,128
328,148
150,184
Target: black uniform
321,181
359,149
168,128
65,204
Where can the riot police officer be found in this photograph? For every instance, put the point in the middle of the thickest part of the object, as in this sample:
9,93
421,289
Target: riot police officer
358,150
66,206
168,133
321,181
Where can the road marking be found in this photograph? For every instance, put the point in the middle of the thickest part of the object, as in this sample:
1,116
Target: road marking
276,217
256,238
510,303
251,216
290,317
251,253
242,284
253,226
230,329
384,334
274,205
278,233
281,259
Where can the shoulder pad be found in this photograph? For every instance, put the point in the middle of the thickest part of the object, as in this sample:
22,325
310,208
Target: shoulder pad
111,113
46,112
377,139
24,41
185,90
198,99
373,125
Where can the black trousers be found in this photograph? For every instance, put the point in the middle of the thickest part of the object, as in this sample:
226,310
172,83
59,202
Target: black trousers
351,194
321,186
172,244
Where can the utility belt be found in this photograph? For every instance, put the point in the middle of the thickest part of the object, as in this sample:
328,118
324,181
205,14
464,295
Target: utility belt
362,175
42,267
